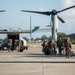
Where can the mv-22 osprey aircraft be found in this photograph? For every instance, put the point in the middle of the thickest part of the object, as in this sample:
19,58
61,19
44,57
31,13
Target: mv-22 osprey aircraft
54,18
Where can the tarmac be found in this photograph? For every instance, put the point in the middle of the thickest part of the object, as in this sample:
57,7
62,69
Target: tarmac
34,62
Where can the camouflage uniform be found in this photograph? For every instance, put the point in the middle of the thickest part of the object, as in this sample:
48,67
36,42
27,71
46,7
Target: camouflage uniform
52,45
44,45
16,44
67,45
9,44
60,45
20,45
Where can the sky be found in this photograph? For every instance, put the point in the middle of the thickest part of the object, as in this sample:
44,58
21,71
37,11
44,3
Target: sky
14,18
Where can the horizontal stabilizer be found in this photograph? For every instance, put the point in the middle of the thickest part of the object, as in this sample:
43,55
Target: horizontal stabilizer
41,29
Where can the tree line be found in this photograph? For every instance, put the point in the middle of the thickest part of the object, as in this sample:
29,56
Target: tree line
60,34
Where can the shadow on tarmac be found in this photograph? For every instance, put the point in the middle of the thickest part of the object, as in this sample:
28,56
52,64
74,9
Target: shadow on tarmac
43,55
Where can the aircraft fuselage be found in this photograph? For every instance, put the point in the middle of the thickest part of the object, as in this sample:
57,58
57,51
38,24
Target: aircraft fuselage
54,26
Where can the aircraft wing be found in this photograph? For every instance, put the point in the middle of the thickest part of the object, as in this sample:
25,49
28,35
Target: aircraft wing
41,29
14,31
26,30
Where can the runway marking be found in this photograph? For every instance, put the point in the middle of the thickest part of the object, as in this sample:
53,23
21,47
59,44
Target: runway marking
37,62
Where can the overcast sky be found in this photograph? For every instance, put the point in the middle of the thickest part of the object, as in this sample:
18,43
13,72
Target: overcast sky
14,18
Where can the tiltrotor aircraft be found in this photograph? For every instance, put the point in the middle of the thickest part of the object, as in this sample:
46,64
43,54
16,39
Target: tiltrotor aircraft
54,18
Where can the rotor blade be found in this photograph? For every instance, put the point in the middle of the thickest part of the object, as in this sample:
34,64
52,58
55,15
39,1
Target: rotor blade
39,12
2,10
61,19
65,9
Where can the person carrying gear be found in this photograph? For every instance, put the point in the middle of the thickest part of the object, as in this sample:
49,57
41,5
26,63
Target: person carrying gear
45,48
44,45
60,45
20,46
9,44
67,45
52,45
16,44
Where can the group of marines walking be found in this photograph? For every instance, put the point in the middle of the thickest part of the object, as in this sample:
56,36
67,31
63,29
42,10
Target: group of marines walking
18,44
48,46
65,46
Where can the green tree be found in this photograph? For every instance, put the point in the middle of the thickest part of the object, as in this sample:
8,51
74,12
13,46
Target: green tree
44,37
32,39
72,36
61,34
